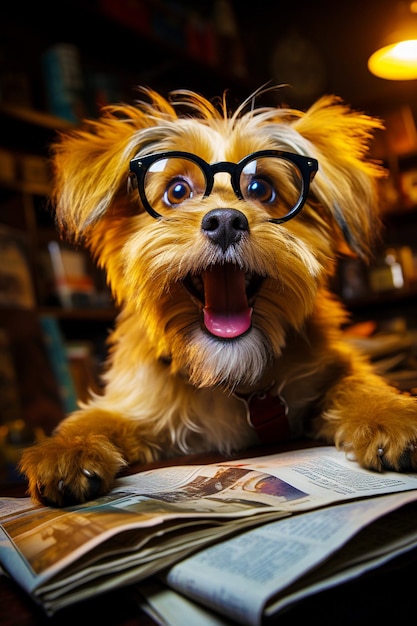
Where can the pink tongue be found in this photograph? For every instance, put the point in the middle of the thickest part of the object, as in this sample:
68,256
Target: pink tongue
226,313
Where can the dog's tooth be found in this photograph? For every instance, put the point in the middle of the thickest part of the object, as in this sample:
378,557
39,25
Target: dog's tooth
197,283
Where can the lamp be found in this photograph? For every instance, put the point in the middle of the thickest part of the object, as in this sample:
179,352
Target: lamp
397,58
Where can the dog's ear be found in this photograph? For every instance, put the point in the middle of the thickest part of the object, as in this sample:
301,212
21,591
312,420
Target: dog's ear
90,165
346,183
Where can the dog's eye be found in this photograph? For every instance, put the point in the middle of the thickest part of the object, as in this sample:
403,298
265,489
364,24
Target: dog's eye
177,191
260,190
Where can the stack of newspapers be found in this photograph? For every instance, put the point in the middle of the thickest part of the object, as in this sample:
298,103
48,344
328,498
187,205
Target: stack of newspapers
231,542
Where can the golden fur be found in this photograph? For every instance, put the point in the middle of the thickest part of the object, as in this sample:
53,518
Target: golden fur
170,384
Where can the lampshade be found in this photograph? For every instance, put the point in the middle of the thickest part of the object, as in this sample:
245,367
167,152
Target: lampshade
396,59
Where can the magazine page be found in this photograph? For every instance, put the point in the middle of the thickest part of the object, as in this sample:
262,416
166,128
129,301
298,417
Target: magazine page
41,546
240,576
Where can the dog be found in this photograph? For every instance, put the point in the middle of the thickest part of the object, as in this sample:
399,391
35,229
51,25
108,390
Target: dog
220,234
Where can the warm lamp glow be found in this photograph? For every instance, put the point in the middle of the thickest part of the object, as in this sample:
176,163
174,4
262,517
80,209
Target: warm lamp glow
396,59
395,62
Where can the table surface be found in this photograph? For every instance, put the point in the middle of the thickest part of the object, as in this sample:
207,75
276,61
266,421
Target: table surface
380,595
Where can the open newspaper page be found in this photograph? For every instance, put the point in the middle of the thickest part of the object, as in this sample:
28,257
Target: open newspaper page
156,518
250,577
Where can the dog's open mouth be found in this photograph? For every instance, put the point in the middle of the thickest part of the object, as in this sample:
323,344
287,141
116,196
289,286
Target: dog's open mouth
225,292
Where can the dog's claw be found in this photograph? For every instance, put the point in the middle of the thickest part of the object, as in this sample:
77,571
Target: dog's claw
94,484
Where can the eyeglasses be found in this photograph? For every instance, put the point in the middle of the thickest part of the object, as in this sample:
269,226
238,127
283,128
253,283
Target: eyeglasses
276,180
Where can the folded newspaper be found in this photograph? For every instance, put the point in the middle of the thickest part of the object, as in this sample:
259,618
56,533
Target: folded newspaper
244,537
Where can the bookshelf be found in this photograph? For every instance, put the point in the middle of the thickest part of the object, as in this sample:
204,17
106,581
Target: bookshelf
144,42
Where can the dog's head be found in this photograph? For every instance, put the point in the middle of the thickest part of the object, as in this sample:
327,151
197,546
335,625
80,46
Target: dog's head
218,232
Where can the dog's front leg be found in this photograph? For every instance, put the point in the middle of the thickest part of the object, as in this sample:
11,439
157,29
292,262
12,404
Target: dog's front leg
80,461
372,422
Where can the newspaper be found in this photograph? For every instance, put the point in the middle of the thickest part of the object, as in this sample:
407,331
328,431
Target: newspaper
162,521
251,577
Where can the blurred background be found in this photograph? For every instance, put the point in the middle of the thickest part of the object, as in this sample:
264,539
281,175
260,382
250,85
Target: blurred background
62,61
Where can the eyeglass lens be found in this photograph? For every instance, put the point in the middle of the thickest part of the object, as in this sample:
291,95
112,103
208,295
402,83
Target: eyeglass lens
274,183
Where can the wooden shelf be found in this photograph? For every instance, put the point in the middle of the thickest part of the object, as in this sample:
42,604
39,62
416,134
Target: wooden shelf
94,313
35,118
33,188
388,297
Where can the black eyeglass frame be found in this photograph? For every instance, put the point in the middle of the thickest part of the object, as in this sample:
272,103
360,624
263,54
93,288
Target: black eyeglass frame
307,166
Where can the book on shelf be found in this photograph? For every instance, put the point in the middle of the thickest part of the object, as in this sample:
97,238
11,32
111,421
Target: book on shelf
74,364
16,285
59,360
75,281
64,81
73,284
85,367
235,541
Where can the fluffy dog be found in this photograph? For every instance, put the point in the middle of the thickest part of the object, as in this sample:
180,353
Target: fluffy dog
219,234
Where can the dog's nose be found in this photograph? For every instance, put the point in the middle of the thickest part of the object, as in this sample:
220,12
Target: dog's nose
224,226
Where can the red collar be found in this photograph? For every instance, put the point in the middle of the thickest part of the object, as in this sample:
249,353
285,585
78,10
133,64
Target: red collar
267,415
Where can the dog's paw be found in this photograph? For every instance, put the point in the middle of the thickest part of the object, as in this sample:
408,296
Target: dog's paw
63,471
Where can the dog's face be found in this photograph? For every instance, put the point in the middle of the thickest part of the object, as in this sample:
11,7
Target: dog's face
200,245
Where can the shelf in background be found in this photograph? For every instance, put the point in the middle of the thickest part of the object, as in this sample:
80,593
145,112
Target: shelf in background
34,188
95,314
37,118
